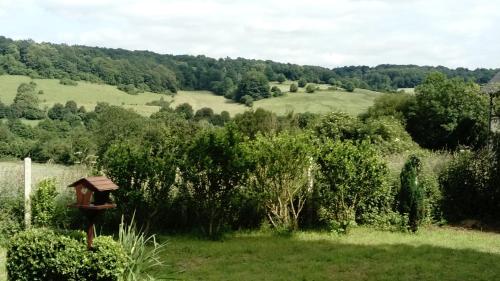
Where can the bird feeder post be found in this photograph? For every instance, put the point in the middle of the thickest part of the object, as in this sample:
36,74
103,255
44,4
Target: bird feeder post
92,199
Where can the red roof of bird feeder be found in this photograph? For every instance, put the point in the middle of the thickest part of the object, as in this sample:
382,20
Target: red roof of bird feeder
98,184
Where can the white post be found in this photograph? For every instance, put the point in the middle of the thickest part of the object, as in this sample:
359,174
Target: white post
27,192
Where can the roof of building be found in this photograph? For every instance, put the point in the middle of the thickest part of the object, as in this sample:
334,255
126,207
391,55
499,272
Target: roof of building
96,183
493,86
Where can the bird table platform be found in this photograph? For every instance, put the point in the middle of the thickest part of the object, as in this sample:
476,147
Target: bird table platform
93,198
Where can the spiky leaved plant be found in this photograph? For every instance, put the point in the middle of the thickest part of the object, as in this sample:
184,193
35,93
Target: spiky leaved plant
144,253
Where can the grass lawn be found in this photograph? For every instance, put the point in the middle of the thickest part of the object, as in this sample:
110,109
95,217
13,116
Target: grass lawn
364,254
3,274
88,94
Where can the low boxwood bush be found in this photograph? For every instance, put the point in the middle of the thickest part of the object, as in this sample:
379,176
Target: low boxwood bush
42,254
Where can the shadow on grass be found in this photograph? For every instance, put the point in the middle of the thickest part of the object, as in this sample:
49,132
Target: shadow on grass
271,258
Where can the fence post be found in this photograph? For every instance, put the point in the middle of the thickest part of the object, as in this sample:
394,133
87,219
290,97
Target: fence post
27,192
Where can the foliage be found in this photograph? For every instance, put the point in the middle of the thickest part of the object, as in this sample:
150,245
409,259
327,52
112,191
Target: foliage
253,84
280,170
310,88
144,166
302,83
276,91
67,82
43,204
185,110
281,78
212,170
349,86
470,187
26,103
339,126
259,121
129,89
41,254
448,113
143,252
294,88
158,73
247,100
392,104
412,193
354,179
106,260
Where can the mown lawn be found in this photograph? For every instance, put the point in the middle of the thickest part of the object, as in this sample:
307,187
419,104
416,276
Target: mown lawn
364,254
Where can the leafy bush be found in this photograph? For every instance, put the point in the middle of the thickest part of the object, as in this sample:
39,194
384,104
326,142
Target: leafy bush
41,254
67,82
212,171
105,261
302,82
310,88
276,91
247,100
393,104
470,190
43,204
293,88
280,170
448,113
11,217
354,183
412,194
129,89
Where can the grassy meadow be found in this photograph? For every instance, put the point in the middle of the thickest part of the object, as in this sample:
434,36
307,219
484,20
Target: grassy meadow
365,254
88,94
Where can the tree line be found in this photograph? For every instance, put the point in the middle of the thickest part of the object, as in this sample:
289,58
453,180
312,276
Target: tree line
138,71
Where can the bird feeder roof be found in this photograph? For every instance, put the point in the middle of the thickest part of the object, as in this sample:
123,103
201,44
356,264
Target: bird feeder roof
99,184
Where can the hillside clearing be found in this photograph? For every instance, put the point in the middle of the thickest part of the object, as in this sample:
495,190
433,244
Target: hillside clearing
88,94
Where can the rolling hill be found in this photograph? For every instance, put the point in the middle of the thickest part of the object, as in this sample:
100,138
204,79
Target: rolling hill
88,94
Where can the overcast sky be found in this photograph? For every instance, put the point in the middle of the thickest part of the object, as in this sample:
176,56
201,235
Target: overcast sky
329,33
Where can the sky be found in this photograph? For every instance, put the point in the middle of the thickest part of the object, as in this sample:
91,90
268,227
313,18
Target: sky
330,33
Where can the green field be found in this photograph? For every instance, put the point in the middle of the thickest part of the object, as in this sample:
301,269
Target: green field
88,94
365,254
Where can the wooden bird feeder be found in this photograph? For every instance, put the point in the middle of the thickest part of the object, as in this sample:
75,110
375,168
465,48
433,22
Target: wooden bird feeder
92,198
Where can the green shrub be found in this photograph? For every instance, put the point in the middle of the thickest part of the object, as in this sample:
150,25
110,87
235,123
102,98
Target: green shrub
105,261
354,183
11,217
302,82
276,91
43,203
412,193
247,100
41,254
310,88
67,82
293,88
469,187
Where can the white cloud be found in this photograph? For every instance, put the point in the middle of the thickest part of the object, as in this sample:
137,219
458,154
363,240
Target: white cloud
322,32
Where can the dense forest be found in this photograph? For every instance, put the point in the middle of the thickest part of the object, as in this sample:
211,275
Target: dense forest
136,71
